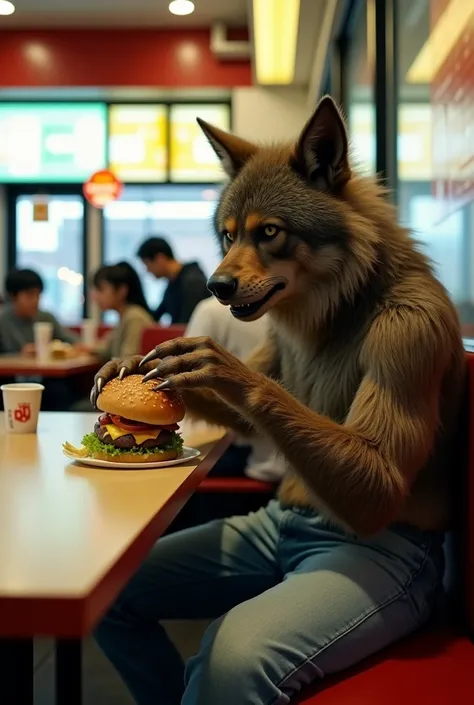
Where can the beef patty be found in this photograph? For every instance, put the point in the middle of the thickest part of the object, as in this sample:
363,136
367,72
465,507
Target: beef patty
128,441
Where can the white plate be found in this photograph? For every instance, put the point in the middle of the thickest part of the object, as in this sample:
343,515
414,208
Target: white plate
188,454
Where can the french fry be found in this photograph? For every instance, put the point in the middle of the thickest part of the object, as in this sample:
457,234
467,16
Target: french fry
72,450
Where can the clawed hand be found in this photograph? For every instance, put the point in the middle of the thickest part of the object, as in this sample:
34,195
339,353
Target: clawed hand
183,363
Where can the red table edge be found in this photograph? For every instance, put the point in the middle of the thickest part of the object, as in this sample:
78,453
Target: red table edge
76,617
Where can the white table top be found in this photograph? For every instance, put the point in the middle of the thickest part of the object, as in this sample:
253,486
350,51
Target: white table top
71,536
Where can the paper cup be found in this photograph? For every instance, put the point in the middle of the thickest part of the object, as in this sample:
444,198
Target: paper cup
43,335
89,332
22,402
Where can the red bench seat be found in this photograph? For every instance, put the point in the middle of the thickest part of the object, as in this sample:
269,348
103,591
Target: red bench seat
433,667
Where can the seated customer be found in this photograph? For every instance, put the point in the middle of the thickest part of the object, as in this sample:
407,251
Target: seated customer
186,281
17,318
258,461
118,288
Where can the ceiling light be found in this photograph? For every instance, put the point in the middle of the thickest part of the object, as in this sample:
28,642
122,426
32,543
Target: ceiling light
443,38
181,7
6,7
275,29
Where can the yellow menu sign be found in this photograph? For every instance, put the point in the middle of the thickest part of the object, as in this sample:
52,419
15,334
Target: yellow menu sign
138,142
192,158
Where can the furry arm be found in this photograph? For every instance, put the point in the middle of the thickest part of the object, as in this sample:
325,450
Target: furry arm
363,470
206,404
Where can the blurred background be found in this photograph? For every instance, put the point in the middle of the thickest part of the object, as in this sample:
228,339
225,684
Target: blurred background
116,85
93,84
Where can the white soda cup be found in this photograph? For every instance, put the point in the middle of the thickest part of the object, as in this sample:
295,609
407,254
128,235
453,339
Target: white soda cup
43,335
89,332
22,402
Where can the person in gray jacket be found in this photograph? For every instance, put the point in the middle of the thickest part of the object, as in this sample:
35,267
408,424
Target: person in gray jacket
17,320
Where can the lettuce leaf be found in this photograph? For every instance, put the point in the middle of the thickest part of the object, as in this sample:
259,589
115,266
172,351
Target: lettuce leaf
94,445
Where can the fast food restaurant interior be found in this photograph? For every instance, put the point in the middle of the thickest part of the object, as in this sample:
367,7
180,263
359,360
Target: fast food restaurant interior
116,209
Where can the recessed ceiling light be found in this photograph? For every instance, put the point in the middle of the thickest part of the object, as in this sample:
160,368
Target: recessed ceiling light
181,7
6,7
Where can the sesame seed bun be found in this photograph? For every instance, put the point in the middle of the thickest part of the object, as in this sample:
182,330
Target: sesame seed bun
138,401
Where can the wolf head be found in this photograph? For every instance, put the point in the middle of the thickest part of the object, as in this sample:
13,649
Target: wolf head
282,221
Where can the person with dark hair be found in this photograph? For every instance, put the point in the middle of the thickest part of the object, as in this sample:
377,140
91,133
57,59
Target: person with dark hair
186,282
118,288
24,288
17,319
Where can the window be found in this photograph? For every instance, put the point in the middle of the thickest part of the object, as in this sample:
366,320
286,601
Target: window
436,98
361,89
181,214
54,248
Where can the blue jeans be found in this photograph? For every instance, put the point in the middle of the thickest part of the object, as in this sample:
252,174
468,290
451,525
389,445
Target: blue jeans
295,599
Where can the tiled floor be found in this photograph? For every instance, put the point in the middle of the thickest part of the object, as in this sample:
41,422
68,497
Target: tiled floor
101,684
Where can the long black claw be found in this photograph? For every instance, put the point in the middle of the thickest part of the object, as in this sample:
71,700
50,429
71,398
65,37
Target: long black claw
150,375
93,396
148,358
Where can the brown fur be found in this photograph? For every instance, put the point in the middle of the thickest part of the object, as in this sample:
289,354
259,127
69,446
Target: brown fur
368,355
231,225
253,221
359,384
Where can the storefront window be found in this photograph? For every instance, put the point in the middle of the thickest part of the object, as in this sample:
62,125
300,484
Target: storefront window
53,247
436,139
180,214
361,89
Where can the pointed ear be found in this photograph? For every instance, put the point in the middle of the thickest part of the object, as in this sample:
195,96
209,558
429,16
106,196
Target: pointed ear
322,149
231,150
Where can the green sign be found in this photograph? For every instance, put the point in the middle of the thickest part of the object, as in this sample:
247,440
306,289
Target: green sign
52,142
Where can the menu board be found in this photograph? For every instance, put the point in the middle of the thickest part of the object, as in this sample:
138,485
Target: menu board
138,142
192,158
51,142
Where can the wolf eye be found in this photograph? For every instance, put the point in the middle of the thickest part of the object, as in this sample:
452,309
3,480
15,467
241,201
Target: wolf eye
227,236
271,230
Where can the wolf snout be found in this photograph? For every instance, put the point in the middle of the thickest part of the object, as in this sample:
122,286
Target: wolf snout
223,286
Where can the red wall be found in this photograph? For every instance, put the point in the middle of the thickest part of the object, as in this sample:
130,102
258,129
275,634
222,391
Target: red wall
135,57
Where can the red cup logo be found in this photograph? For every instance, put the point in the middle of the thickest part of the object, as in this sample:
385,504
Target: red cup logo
23,413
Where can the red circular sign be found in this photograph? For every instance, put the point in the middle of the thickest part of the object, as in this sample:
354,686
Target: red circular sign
102,188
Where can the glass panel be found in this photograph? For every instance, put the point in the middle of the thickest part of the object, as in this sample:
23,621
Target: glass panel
138,142
192,157
361,89
54,248
181,214
436,139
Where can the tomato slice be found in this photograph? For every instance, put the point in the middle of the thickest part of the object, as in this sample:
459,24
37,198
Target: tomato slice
105,419
132,426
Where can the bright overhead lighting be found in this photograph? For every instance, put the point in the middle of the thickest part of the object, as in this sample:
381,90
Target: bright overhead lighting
6,7
181,7
275,29
445,35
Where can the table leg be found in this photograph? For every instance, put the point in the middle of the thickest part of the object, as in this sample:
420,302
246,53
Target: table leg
16,671
68,672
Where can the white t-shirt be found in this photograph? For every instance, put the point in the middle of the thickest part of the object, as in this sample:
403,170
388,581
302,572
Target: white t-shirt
216,321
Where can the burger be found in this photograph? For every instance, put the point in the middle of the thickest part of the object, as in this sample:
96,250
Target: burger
139,424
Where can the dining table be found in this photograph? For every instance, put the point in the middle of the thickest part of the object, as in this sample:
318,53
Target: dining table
23,365
71,536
